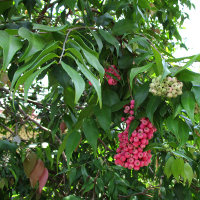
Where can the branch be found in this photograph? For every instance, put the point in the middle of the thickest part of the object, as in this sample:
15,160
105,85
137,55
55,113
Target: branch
66,38
5,127
105,146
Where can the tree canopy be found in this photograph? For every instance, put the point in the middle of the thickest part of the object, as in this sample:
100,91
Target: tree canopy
93,104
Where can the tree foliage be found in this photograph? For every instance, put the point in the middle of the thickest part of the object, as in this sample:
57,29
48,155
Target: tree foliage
68,70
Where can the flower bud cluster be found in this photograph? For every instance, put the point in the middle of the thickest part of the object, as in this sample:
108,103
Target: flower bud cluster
130,153
197,109
170,87
112,75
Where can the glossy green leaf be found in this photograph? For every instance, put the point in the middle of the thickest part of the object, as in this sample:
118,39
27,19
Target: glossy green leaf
124,26
141,94
92,60
172,125
77,80
93,79
188,75
49,28
168,166
110,39
177,167
165,70
91,132
188,172
71,144
152,106
31,78
10,46
158,68
98,40
196,92
104,117
188,103
183,132
189,63
135,71
36,42
71,197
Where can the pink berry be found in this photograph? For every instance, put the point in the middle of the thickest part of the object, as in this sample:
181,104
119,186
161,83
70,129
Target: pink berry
135,151
136,139
137,163
130,160
131,166
90,83
140,135
127,155
142,146
140,155
131,112
123,158
132,106
132,102
146,130
122,119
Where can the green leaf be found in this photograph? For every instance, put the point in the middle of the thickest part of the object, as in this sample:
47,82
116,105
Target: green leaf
28,73
110,39
158,68
6,145
189,63
152,106
135,71
188,75
104,117
77,80
31,78
124,26
183,132
110,97
49,28
141,94
91,132
4,5
70,4
29,4
172,125
71,143
168,166
93,79
134,124
188,173
196,92
71,197
36,43
10,46
69,96
165,70
188,103
177,167
72,175
92,60
98,40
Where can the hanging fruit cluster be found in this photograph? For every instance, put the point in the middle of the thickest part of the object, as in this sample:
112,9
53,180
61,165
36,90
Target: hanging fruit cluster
170,87
35,170
130,153
197,109
112,75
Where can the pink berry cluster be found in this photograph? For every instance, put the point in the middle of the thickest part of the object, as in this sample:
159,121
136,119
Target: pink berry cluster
130,153
112,72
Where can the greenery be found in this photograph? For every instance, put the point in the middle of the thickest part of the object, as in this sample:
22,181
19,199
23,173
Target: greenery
63,98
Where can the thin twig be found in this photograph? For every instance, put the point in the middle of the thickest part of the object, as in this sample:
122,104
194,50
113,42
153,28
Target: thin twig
105,146
5,127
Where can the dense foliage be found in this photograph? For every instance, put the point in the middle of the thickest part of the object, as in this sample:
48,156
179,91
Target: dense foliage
83,82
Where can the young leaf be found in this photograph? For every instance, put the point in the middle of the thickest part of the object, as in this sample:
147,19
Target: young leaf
10,46
77,80
168,165
183,132
135,71
188,103
91,132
